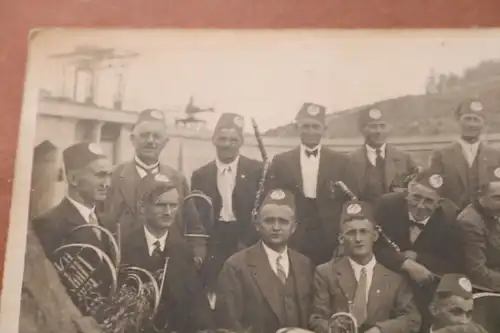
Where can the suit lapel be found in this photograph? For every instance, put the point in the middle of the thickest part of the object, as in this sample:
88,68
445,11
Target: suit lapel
379,282
323,170
482,163
296,169
239,181
461,167
129,178
346,278
429,229
301,284
391,159
360,159
263,274
75,219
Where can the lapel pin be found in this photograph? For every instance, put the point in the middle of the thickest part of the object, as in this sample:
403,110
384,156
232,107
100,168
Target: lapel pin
378,292
243,176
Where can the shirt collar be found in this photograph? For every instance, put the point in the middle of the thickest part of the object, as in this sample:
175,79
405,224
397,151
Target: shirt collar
233,165
82,209
371,150
464,143
368,267
424,221
303,148
273,255
151,239
144,165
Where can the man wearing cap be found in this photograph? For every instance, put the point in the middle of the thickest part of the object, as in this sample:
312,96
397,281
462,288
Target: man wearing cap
309,171
149,137
88,175
231,181
479,225
422,224
160,249
465,162
377,167
380,300
452,306
268,285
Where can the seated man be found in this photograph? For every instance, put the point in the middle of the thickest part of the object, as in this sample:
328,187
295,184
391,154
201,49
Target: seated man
379,299
479,226
268,285
452,306
159,248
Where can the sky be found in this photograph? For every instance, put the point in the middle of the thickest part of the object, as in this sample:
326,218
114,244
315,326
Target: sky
268,74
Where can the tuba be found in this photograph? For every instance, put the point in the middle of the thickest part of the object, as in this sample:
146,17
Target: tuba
342,322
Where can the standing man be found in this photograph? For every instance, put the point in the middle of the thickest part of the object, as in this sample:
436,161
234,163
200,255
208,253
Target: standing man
231,181
479,225
380,300
465,162
377,167
149,137
159,248
452,306
422,224
309,171
267,286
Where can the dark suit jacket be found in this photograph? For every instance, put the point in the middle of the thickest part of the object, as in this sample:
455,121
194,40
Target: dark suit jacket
467,328
248,175
54,227
437,244
390,301
183,303
398,165
246,299
450,162
481,251
121,203
285,172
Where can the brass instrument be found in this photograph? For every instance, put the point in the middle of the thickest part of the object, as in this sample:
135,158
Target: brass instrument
485,313
342,322
265,169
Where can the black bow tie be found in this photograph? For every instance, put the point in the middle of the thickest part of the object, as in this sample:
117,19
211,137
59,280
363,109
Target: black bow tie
310,153
419,225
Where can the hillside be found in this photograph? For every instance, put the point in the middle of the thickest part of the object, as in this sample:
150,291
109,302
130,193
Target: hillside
429,114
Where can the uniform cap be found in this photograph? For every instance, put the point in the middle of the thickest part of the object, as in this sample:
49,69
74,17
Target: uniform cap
279,197
354,210
455,284
473,106
230,121
155,184
312,111
430,179
150,115
368,115
81,154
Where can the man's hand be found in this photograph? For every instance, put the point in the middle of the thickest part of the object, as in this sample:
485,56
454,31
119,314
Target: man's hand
374,329
417,272
411,255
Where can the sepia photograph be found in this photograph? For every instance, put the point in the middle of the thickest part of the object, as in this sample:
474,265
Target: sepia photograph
256,181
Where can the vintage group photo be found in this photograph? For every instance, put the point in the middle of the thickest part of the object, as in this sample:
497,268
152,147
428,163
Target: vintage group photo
257,181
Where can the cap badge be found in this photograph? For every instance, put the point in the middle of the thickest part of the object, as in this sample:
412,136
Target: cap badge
238,121
436,181
277,195
161,178
156,114
94,148
353,209
497,172
465,284
476,106
313,110
375,114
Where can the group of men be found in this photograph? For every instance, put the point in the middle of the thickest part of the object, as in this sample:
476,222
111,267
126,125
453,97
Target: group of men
414,240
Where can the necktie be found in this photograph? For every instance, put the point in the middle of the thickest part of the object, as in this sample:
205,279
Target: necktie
156,249
310,153
94,221
226,192
359,310
379,161
280,271
415,230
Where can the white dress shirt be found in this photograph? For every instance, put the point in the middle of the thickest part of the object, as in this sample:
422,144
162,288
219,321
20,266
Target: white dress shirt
151,239
309,166
369,272
469,150
414,230
272,256
371,153
226,180
142,167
